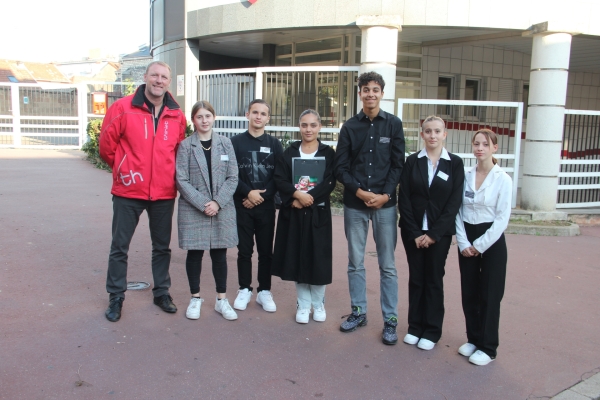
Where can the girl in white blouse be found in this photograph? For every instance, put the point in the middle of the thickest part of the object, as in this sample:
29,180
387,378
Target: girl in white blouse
482,258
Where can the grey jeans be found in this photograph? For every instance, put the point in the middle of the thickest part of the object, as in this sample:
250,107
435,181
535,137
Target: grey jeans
385,233
310,295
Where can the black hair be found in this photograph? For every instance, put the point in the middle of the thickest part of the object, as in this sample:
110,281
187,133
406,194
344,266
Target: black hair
372,76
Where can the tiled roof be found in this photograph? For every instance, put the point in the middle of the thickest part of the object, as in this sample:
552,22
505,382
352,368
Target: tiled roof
13,68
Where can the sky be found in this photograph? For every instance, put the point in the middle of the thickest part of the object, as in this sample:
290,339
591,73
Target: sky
65,30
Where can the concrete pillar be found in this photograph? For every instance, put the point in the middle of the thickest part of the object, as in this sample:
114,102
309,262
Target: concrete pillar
545,119
379,52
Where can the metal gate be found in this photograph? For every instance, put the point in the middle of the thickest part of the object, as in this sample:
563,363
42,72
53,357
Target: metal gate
579,176
51,116
42,116
462,119
289,90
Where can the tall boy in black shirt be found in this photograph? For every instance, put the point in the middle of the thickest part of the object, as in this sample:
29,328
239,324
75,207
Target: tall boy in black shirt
256,153
368,161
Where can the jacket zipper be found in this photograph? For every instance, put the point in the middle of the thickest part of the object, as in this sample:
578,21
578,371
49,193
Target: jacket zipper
151,160
146,127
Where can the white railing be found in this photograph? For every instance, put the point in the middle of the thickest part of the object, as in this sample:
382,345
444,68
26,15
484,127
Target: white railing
465,117
47,115
591,167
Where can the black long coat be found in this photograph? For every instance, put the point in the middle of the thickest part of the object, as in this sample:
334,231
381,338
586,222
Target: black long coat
303,250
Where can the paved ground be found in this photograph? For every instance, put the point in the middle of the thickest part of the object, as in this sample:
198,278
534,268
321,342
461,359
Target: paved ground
55,216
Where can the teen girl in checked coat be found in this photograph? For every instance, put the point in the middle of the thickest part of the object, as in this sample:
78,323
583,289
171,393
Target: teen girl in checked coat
207,177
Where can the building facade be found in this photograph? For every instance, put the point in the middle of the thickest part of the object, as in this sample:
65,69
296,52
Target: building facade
543,54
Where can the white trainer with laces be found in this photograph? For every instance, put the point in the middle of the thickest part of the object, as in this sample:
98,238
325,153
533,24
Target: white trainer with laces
480,358
193,310
319,313
242,299
265,299
222,307
467,349
302,315
410,339
425,344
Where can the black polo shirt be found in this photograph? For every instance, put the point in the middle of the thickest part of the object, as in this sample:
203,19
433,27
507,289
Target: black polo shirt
370,156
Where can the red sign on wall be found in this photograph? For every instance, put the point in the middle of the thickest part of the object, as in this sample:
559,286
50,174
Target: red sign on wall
252,1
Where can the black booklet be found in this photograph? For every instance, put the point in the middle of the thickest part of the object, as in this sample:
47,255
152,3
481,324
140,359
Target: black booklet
307,172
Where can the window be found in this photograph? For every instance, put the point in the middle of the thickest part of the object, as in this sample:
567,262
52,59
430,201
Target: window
13,79
472,93
445,86
525,99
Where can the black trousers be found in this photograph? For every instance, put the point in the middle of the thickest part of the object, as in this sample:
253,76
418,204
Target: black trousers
426,287
126,215
482,281
251,223
193,267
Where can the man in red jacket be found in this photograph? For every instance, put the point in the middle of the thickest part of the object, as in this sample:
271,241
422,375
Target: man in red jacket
139,140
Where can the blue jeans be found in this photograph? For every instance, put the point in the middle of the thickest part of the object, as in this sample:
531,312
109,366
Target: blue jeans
356,226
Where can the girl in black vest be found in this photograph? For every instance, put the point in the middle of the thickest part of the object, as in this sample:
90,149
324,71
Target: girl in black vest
429,198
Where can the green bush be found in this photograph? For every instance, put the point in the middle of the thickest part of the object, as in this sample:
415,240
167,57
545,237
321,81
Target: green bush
91,147
337,196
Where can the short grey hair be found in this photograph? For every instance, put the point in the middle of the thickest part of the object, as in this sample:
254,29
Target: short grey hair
309,111
162,63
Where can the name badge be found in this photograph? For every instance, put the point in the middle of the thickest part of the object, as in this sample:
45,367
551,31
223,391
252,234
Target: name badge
224,157
265,149
442,175
384,140
470,195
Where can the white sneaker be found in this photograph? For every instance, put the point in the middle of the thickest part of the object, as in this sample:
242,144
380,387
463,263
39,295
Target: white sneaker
302,315
222,307
425,344
265,299
193,310
410,339
242,299
467,349
319,313
480,358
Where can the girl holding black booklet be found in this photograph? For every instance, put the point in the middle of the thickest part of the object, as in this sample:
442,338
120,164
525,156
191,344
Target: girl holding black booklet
303,250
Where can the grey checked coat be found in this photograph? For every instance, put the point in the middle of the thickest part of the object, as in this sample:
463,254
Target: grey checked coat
198,231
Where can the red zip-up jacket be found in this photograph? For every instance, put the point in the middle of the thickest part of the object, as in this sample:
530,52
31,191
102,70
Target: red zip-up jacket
142,158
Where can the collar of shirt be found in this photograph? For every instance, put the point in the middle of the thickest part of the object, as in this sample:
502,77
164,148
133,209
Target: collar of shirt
361,115
492,175
444,155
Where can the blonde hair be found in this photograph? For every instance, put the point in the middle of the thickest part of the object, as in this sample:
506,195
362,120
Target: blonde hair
433,118
491,137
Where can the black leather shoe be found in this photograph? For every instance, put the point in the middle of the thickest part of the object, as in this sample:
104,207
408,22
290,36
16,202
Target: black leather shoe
165,302
113,312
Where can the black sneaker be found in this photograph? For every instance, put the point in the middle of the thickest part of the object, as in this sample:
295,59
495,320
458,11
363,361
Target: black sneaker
389,335
165,302
113,312
354,320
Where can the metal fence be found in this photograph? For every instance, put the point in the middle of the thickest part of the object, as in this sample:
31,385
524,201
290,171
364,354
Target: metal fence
462,119
51,115
579,176
289,90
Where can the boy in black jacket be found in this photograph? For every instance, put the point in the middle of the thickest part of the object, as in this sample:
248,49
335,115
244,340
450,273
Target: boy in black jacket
256,153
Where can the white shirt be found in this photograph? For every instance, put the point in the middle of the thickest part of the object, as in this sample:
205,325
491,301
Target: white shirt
491,203
307,155
431,174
